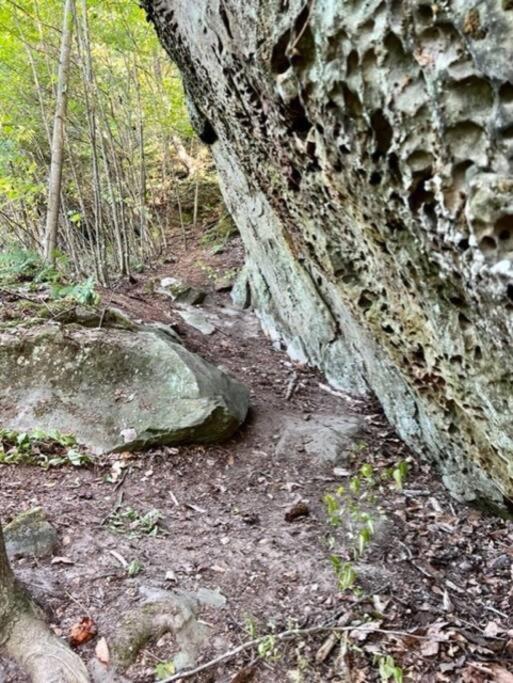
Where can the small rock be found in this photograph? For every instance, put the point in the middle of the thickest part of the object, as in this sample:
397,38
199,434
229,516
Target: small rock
501,562
30,534
128,435
325,437
197,320
209,597
251,519
181,292
298,510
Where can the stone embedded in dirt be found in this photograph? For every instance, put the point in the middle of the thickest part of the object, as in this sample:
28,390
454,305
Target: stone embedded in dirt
197,319
30,534
206,596
181,292
164,612
114,388
327,437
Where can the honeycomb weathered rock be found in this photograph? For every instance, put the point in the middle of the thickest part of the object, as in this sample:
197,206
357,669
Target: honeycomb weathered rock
366,152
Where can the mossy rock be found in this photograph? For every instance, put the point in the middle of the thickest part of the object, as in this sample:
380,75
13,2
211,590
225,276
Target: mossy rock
115,388
30,534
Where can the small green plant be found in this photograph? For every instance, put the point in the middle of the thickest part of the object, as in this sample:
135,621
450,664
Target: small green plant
134,568
388,670
332,509
81,292
251,626
20,265
344,571
347,507
399,474
41,449
127,520
165,669
267,648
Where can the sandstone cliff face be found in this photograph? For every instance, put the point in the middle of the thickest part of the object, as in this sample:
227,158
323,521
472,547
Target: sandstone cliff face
365,149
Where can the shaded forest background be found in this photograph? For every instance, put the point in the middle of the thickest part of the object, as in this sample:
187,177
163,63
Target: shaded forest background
128,149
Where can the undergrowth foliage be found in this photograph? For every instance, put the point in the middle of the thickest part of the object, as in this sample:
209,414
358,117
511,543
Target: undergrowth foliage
41,449
20,267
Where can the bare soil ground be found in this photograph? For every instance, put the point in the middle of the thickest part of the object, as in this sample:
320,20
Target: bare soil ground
434,578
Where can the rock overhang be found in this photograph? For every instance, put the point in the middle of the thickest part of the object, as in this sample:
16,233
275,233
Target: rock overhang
366,153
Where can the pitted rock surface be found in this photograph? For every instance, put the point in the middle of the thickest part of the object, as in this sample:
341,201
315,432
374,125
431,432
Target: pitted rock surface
365,149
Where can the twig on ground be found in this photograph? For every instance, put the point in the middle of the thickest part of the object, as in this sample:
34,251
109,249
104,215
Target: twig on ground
121,481
77,602
117,556
287,635
116,507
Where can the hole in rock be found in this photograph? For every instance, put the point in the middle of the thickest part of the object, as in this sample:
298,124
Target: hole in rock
463,321
383,133
335,45
425,12
395,169
279,60
468,97
294,180
504,228
299,122
375,178
352,63
509,292
463,139
419,195
352,101
507,133
301,51
488,244
225,20
506,93
365,301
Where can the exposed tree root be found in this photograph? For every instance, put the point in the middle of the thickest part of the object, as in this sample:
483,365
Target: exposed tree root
40,653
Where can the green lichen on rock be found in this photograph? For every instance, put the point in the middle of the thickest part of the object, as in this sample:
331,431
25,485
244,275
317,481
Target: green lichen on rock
115,388
30,534
365,149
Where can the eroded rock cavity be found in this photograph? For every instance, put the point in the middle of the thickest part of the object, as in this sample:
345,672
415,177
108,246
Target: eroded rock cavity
366,153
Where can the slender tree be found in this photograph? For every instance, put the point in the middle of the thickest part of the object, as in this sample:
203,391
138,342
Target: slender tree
57,149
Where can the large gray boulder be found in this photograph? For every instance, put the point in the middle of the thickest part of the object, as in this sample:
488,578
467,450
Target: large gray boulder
365,150
114,388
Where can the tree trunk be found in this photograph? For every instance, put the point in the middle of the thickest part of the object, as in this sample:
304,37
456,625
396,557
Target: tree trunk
25,637
57,151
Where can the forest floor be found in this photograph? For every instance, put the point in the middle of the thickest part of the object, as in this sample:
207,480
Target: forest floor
268,533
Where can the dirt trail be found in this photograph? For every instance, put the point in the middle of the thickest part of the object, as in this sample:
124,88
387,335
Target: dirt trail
431,567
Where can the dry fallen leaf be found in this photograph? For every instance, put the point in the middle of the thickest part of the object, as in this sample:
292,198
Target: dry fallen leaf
298,510
430,648
82,631
491,630
244,675
501,675
102,651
